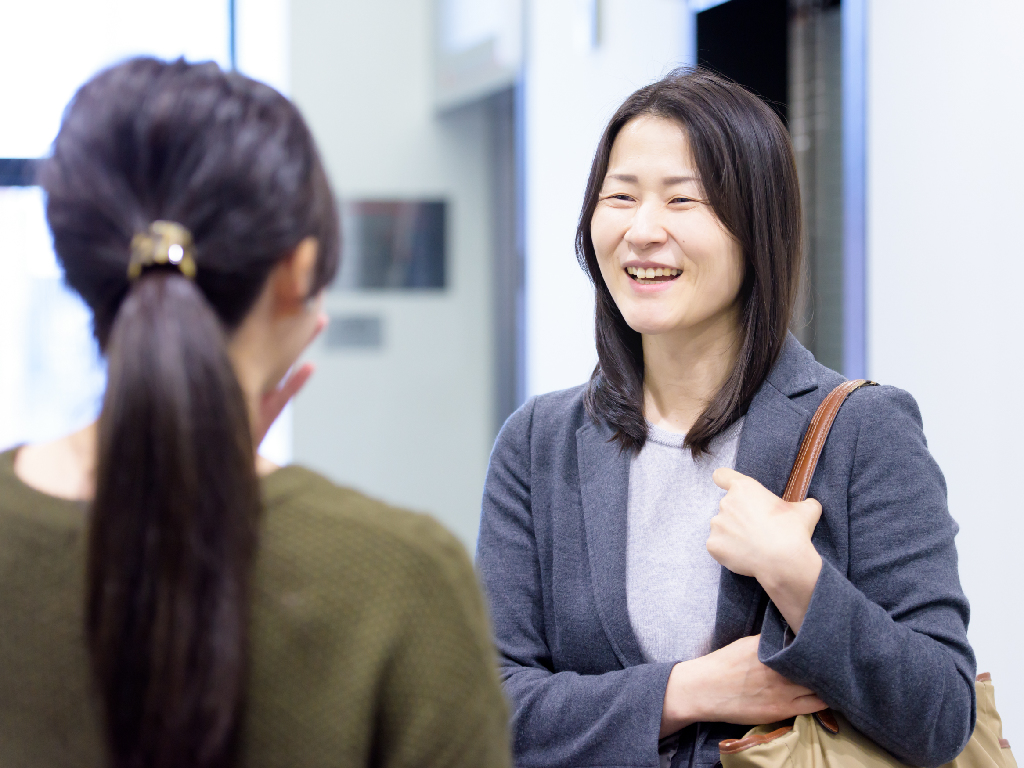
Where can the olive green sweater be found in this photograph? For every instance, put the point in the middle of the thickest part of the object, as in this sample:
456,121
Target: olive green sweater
369,642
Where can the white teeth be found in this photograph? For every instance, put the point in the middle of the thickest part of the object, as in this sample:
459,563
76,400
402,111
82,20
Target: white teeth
642,273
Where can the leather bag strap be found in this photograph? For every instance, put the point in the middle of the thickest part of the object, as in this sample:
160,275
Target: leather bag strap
814,439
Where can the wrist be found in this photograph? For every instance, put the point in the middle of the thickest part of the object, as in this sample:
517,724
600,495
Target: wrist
793,568
681,707
790,583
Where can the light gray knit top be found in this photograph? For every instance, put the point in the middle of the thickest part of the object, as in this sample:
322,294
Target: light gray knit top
671,580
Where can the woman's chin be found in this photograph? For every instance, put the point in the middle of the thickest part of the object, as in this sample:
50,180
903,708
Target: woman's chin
652,326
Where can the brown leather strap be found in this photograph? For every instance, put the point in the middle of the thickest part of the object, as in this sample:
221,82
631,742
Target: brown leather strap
825,719
814,440
732,746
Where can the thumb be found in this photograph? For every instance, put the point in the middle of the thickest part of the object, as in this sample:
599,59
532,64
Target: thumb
724,477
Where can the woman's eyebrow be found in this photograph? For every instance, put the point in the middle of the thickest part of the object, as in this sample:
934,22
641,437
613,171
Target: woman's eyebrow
667,181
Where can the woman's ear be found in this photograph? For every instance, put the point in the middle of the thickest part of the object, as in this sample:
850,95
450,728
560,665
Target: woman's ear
292,278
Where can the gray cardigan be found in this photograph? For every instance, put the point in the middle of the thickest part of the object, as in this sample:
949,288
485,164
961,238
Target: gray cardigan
884,640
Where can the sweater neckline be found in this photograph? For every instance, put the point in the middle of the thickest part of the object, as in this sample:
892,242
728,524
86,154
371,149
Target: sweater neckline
670,439
274,486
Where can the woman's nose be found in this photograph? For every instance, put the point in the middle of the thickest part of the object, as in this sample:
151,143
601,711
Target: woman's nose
646,228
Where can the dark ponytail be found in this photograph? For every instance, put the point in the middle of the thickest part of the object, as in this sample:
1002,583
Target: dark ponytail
173,525
172,532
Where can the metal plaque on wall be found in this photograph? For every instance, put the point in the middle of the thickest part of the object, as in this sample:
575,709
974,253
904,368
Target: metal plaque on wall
392,244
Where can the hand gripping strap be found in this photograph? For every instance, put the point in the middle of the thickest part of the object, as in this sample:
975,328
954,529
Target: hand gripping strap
796,490
814,440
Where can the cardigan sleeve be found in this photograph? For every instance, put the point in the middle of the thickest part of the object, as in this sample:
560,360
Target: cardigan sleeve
886,644
558,717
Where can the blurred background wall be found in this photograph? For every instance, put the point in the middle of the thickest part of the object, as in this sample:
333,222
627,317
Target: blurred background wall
459,134
945,271
406,416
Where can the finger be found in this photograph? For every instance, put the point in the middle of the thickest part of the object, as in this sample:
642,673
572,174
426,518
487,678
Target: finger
797,691
295,381
713,549
724,477
809,704
273,402
811,510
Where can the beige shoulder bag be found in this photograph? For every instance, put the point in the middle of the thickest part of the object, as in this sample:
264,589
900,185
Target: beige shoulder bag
826,739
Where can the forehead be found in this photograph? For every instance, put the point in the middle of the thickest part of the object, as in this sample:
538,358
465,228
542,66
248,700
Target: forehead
651,143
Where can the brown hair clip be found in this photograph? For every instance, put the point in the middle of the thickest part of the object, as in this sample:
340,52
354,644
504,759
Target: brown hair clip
167,243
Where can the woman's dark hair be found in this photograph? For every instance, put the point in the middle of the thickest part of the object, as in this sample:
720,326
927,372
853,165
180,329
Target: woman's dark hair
172,528
746,167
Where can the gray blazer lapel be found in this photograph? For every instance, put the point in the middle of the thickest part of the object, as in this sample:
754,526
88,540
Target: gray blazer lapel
604,486
772,431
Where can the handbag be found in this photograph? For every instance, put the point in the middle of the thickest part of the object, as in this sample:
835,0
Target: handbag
826,739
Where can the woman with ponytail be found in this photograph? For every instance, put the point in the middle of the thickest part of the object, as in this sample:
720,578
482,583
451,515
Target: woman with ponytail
167,599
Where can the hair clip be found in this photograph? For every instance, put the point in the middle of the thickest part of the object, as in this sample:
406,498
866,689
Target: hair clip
167,243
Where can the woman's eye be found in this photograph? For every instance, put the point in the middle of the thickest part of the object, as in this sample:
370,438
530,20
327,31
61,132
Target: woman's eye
621,197
682,200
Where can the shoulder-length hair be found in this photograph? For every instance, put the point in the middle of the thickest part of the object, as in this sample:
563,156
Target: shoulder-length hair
745,162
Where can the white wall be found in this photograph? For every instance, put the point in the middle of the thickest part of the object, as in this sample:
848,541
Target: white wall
571,90
262,40
411,422
945,270
51,377
49,49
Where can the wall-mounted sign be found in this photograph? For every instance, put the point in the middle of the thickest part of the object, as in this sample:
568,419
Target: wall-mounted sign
396,244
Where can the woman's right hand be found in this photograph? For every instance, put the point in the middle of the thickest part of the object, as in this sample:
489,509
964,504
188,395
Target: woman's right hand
732,686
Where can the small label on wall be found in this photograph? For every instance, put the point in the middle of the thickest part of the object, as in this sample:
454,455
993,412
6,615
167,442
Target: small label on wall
355,332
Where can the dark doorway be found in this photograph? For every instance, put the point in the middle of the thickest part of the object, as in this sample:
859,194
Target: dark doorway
746,40
789,52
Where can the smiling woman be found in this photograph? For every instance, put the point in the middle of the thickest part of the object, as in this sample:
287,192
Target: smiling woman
651,592
671,267
675,168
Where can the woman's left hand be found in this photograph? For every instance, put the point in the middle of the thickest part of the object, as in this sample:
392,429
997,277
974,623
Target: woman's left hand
755,533
273,402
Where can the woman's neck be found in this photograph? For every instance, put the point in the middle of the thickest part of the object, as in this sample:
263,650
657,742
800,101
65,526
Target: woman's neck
65,467
684,371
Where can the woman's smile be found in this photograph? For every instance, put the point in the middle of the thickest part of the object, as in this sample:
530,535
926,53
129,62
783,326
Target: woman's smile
648,277
643,273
